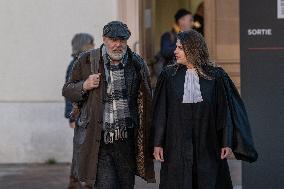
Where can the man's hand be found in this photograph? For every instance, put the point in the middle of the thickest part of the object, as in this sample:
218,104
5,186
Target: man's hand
225,152
92,82
159,154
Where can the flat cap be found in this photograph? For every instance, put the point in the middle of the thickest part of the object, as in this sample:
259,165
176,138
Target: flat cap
116,30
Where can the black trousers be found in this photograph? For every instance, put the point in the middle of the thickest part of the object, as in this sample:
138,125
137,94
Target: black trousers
116,164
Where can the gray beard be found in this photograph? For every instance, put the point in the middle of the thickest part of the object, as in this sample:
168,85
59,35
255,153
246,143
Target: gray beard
116,56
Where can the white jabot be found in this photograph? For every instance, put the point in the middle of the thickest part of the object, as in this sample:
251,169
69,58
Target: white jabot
192,93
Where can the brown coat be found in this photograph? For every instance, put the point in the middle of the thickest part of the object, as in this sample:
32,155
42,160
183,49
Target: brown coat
87,135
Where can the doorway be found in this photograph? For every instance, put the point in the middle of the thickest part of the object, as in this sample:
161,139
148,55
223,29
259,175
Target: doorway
164,11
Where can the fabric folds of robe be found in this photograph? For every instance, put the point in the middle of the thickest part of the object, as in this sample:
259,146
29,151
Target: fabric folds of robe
236,126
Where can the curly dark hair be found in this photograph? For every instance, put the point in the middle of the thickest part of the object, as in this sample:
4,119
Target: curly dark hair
196,52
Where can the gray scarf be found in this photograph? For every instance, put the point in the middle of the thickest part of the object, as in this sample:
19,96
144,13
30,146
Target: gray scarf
116,111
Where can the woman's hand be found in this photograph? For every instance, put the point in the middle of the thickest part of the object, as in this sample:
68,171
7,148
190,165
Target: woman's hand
225,152
159,154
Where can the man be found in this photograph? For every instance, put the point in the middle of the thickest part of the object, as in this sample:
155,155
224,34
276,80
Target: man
112,134
183,22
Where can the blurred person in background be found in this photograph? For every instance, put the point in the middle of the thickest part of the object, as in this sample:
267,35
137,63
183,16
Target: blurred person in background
199,19
183,22
81,42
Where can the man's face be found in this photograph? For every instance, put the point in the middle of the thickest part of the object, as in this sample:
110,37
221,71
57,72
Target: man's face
186,22
116,48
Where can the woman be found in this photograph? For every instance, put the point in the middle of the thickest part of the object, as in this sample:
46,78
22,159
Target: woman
81,42
199,119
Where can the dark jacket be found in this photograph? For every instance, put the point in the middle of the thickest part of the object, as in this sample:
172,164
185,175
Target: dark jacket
87,136
168,46
68,103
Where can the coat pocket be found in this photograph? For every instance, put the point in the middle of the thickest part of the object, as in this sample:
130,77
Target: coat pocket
81,128
82,122
83,119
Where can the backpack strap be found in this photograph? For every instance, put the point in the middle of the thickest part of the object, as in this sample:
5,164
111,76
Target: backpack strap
95,60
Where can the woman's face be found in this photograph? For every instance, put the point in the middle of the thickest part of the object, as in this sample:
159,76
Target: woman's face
180,54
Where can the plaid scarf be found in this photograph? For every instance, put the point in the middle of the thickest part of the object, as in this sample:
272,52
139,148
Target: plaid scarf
116,111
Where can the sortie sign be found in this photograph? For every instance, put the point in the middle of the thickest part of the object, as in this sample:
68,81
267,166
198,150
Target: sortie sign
262,88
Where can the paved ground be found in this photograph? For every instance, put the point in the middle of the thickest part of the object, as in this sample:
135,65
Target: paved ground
42,176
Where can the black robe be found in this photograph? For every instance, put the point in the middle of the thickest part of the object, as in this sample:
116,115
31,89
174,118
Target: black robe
193,134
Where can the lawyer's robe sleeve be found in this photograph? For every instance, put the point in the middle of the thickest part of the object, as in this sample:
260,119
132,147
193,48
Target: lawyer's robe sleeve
159,118
223,117
236,127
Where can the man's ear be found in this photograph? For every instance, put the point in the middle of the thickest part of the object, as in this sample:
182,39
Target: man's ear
104,39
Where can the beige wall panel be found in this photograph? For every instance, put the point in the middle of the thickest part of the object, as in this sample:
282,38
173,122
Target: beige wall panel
35,43
128,12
